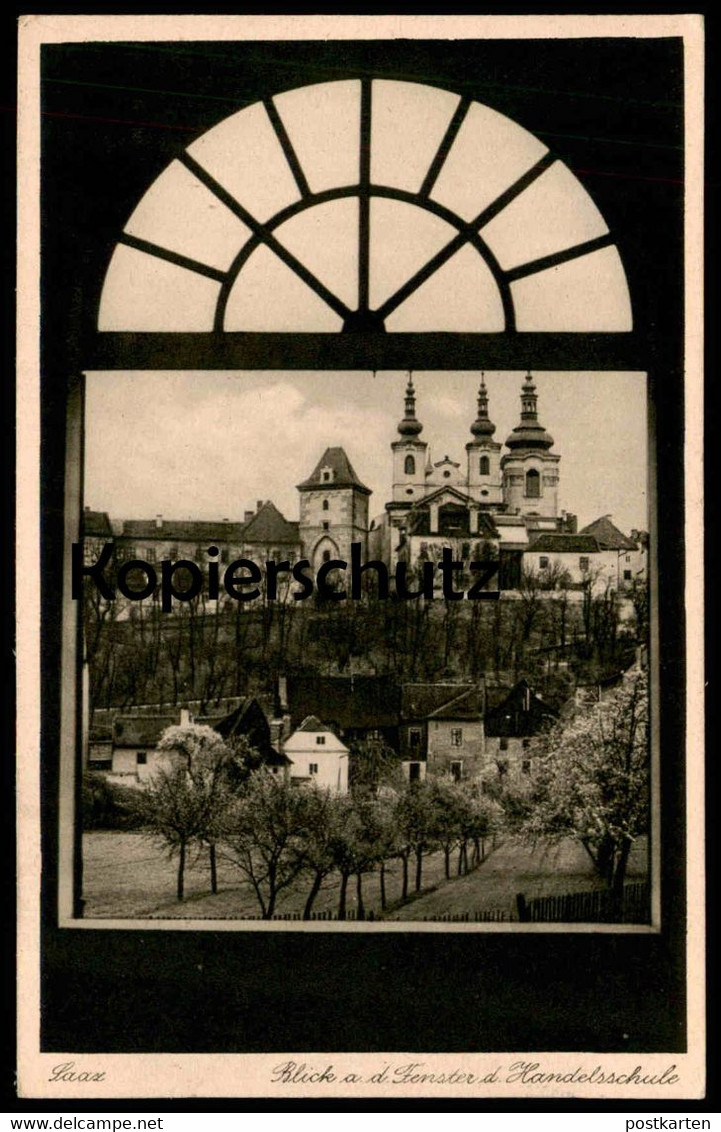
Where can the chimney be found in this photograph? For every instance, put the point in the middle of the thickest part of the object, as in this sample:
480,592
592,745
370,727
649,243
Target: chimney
186,717
247,516
158,522
259,504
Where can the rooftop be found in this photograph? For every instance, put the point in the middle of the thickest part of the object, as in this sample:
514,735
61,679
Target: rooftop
608,535
557,543
341,469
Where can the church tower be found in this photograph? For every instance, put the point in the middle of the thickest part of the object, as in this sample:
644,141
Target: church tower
530,469
333,510
484,455
409,454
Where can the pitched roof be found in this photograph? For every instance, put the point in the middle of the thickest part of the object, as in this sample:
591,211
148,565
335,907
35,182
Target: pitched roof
468,705
607,535
269,525
231,724
312,723
521,713
141,730
345,701
96,524
553,543
184,530
422,700
342,469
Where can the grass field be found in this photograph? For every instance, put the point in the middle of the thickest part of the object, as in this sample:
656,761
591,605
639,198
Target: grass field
129,876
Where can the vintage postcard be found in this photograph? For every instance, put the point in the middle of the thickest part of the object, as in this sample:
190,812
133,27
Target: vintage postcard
360,384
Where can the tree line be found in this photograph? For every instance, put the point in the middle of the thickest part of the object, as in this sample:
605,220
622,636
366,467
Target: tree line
211,796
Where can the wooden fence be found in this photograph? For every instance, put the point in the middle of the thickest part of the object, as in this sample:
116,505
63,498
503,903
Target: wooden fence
485,916
595,907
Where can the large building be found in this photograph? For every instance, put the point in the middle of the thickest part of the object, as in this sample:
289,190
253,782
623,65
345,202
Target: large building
488,505
497,503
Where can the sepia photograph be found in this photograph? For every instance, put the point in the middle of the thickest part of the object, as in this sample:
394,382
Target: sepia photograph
363,715
398,669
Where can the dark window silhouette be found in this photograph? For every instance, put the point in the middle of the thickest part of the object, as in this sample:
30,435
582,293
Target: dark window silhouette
533,484
485,466
410,466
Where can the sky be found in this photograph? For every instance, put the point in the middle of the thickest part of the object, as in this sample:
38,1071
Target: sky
209,445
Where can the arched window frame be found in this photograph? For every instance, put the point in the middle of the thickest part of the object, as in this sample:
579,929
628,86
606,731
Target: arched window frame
532,488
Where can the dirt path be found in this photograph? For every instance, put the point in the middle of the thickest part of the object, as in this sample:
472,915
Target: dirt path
515,867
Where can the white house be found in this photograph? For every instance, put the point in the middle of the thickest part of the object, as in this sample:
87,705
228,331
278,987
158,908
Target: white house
317,756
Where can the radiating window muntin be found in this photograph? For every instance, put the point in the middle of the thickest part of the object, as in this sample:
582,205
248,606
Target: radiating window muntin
366,205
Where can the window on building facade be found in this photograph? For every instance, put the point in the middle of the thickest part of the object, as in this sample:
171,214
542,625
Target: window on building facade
583,565
627,575
313,768
485,466
456,736
457,770
320,740
414,772
326,556
410,466
325,477
533,484
504,744
142,758
542,563
326,505
414,736
326,525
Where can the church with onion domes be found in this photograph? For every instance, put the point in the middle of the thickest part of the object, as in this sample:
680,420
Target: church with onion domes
490,504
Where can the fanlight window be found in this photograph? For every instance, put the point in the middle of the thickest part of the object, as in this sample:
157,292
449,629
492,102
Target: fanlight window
366,205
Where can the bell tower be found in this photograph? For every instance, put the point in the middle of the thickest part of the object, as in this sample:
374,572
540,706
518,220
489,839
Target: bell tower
530,469
484,455
409,454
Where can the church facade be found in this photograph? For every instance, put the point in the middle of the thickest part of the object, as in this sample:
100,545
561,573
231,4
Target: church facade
489,505
497,503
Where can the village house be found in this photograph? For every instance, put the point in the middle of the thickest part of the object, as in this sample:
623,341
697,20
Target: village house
512,726
317,757
434,728
124,744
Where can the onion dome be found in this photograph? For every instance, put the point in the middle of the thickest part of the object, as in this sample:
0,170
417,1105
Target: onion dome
483,426
409,426
529,433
